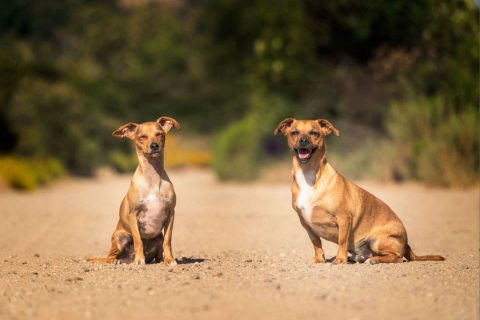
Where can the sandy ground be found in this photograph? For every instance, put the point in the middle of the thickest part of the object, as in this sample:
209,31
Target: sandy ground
242,254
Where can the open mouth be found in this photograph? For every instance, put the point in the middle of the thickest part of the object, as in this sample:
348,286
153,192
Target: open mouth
304,154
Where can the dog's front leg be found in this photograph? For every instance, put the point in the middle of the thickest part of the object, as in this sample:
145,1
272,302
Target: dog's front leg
137,240
317,244
344,228
167,242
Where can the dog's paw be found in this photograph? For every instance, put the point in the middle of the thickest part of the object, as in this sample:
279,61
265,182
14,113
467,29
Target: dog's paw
139,262
370,261
318,260
339,260
170,262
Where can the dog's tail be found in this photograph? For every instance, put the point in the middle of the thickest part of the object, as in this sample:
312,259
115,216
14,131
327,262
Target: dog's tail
412,257
98,260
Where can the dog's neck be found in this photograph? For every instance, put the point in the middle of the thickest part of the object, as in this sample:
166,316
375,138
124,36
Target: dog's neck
317,167
151,168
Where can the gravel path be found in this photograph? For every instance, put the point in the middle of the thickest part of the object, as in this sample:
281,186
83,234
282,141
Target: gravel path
242,254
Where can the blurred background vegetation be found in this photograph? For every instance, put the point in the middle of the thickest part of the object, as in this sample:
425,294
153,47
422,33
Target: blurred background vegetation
398,78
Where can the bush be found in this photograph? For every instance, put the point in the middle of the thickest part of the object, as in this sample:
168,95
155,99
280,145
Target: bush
373,159
27,175
49,170
237,152
439,144
429,141
178,155
18,174
240,149
123,162
51,119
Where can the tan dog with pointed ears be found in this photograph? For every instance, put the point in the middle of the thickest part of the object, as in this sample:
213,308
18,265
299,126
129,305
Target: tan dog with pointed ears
149,205
333,208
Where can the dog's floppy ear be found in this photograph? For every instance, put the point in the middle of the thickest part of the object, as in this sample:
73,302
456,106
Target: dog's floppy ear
328,127
127,130
167,123
284,125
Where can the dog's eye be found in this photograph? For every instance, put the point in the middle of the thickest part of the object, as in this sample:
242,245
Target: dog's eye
158,134
294,133
142,137
313,133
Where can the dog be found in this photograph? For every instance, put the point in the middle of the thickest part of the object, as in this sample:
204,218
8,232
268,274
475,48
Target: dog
149,205
333,208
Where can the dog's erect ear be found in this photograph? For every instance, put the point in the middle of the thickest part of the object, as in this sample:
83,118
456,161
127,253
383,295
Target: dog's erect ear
167,123
127,130
284,125
328,127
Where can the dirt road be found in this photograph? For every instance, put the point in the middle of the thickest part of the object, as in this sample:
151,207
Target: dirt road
242,254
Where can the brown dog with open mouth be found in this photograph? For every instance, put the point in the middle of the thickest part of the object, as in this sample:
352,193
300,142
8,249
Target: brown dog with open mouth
333,208
149,205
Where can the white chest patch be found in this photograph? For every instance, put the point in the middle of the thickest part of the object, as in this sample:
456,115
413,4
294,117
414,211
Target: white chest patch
305,182
153,215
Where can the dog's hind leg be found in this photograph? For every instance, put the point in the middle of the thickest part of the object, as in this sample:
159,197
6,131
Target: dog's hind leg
159,253
389,258
386,250
120,238
153,249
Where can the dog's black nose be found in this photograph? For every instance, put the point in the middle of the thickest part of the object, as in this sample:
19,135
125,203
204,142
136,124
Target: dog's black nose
154,146
303,141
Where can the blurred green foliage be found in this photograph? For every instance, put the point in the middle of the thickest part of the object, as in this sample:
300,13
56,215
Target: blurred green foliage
429,141
73,71
441,146
123,162
26,175
241,149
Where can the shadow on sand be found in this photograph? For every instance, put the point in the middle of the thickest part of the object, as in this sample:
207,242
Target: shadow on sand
189,260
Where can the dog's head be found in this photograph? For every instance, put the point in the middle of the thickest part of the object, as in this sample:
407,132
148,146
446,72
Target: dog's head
306,136
149,137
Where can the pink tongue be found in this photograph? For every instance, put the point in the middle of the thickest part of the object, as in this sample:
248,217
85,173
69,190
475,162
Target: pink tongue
303,153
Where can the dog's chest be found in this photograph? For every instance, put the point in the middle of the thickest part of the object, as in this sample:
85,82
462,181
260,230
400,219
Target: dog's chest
307,201
305,183
152,215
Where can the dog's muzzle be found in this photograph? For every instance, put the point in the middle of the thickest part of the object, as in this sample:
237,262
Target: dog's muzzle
304,154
